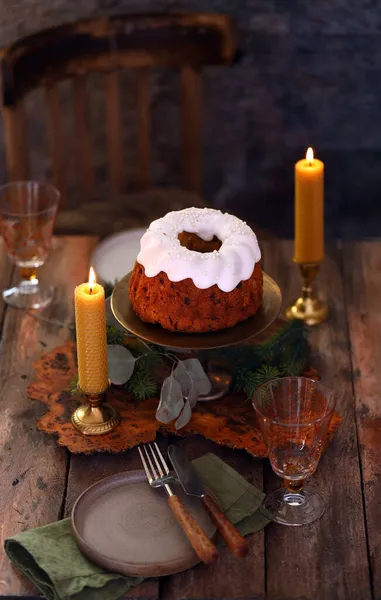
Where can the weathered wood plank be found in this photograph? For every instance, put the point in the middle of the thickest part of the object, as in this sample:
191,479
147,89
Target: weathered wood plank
230,578
86,470
328,559
32,467
362,274
6,271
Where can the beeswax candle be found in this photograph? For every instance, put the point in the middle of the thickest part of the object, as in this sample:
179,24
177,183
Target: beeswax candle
90,322
309,210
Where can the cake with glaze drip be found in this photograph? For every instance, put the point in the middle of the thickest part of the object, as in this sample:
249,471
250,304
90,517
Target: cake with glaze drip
198,270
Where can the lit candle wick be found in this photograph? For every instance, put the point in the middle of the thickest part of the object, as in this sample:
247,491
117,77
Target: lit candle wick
310,156
92,280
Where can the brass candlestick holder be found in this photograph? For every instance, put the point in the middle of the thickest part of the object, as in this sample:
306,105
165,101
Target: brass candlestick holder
97,417
307,308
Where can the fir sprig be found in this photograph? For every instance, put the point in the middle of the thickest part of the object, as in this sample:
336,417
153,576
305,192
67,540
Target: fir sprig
248,381
73,386
290,367
284,354
115,335
142,385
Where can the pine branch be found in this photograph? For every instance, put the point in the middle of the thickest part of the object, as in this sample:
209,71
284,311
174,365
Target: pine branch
245,381
115,336
73,386
142,388
248,381
264,374
142,385
150,361
289,367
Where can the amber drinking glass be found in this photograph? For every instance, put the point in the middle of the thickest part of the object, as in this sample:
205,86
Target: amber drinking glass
294,415
27,214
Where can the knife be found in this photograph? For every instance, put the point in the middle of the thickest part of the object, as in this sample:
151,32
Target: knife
193,486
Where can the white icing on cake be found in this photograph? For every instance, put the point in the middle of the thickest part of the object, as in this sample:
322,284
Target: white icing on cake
160,249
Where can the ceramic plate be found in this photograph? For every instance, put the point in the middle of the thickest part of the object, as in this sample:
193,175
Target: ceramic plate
263,318
123,525
115,255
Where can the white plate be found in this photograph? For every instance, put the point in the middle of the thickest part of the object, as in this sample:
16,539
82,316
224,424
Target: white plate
115,255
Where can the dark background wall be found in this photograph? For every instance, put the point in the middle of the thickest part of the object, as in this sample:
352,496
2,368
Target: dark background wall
309,74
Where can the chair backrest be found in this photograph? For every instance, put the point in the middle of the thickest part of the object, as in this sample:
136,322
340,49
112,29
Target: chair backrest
184,41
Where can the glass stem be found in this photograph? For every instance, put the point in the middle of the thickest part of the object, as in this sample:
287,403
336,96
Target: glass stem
293,486
28,274
29,283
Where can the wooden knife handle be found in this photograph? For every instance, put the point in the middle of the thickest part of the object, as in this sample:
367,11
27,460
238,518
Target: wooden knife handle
233,539
204,548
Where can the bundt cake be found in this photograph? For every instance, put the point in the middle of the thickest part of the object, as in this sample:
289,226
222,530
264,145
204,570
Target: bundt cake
198,270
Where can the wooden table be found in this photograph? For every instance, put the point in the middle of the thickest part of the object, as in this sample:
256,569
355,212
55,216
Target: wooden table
337,558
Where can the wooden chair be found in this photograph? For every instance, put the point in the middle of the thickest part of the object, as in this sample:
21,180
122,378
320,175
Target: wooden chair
186,42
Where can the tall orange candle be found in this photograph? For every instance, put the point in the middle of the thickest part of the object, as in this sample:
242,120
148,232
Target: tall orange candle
90,322
309,209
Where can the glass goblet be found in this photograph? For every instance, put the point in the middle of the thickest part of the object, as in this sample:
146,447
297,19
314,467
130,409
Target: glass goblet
294,415
27,214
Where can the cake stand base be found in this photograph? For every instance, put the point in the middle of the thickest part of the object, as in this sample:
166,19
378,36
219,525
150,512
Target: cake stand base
220,378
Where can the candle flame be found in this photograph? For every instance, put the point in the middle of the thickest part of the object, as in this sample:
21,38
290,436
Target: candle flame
92,280
310,155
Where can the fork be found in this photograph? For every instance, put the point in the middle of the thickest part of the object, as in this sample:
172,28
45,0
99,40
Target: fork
158,475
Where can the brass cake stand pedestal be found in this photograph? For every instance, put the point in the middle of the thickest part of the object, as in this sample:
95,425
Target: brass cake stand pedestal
200,343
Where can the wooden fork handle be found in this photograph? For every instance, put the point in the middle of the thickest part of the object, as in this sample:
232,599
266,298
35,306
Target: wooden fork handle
204,548
233,539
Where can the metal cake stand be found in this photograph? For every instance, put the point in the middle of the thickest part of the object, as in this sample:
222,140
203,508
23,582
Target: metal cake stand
198,343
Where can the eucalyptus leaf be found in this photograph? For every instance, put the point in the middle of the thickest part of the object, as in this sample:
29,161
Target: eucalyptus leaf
200,380
121,364
171,400
185,416
193,396
182,376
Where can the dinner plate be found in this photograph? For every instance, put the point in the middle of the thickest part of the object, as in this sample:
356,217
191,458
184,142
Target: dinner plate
263,318
115,256
124,525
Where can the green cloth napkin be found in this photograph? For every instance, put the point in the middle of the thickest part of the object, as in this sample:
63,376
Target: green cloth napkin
50,557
